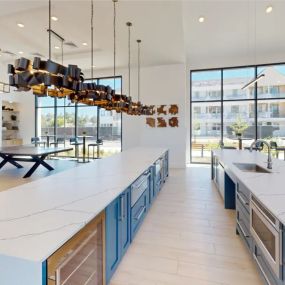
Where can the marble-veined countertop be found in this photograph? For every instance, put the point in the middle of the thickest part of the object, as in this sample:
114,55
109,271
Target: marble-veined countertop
37,218
269,188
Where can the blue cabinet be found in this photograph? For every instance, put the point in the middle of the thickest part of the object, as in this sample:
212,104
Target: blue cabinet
117,232
138,212
125,214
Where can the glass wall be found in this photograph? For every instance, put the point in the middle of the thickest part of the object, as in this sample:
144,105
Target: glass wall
110,125
206,113
63,120
222,111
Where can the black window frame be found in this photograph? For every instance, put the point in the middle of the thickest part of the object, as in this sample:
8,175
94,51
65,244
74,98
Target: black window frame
75,106
255,99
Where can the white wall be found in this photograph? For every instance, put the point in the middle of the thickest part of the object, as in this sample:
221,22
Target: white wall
164,84
159,85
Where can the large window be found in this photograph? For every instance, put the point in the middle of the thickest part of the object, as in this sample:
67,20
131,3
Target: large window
221,109
63,119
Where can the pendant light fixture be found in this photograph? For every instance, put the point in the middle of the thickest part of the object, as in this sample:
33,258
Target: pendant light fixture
45,77
137,107
129,107
260,76
117,98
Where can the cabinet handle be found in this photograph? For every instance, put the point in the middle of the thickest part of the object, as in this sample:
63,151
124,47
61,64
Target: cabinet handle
145,178
261,269
140,213
122,210
242,230
242,199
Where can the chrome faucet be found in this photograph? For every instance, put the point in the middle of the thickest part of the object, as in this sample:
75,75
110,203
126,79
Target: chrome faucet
269,159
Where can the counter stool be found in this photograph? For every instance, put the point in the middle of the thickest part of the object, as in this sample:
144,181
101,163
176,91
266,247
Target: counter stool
74,141
36,141
59,141
277,148
258,146
93,145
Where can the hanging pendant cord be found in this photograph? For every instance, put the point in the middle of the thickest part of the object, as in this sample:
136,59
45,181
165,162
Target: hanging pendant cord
62,52
129,24
114,31
49,29
139,68
92,41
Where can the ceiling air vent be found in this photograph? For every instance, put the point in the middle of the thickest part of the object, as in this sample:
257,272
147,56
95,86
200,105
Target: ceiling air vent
70,44
37,54
7,52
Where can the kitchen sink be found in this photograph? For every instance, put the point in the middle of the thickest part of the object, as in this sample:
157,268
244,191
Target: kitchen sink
251,167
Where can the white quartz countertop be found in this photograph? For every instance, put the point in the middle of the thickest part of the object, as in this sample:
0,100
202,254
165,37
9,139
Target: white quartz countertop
39,217
267,187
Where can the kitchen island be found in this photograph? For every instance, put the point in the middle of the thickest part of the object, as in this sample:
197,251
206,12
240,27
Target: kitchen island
257,195
38,218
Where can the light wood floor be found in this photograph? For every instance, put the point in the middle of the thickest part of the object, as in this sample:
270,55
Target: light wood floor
10,176
187,238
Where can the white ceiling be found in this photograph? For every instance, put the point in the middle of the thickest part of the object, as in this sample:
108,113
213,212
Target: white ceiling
170,31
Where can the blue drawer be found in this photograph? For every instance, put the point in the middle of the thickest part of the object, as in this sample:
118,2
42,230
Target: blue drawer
138,213
243,224
243,195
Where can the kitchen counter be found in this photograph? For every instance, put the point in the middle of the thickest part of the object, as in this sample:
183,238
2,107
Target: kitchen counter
267,187
39,217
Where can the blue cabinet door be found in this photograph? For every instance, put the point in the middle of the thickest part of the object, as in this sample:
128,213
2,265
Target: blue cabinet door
118,231
112,238
150,187
125,221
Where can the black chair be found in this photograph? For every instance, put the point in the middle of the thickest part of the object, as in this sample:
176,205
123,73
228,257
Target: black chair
75,142
222,146
59,141
274,146
93,145
36,141
258,146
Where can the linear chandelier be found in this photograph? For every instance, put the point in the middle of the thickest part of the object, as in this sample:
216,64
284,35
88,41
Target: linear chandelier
48,78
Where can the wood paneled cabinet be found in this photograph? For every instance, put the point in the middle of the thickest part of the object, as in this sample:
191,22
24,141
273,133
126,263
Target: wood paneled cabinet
118,236
82,259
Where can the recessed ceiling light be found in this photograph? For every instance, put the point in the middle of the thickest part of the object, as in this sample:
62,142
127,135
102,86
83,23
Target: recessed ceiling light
201,19
56,47
84,44
20,25
269,9
54,18
20,52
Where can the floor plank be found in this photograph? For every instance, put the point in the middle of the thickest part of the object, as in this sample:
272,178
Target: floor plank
187,238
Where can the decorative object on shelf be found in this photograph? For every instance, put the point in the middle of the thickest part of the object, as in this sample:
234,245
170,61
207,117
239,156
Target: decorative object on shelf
161,110
173,109
161,122
4,87
173,122
13,117
151,122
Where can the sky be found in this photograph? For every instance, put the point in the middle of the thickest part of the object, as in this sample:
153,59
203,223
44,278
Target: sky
232,73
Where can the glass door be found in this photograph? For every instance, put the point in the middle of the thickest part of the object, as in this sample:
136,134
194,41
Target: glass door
81,260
